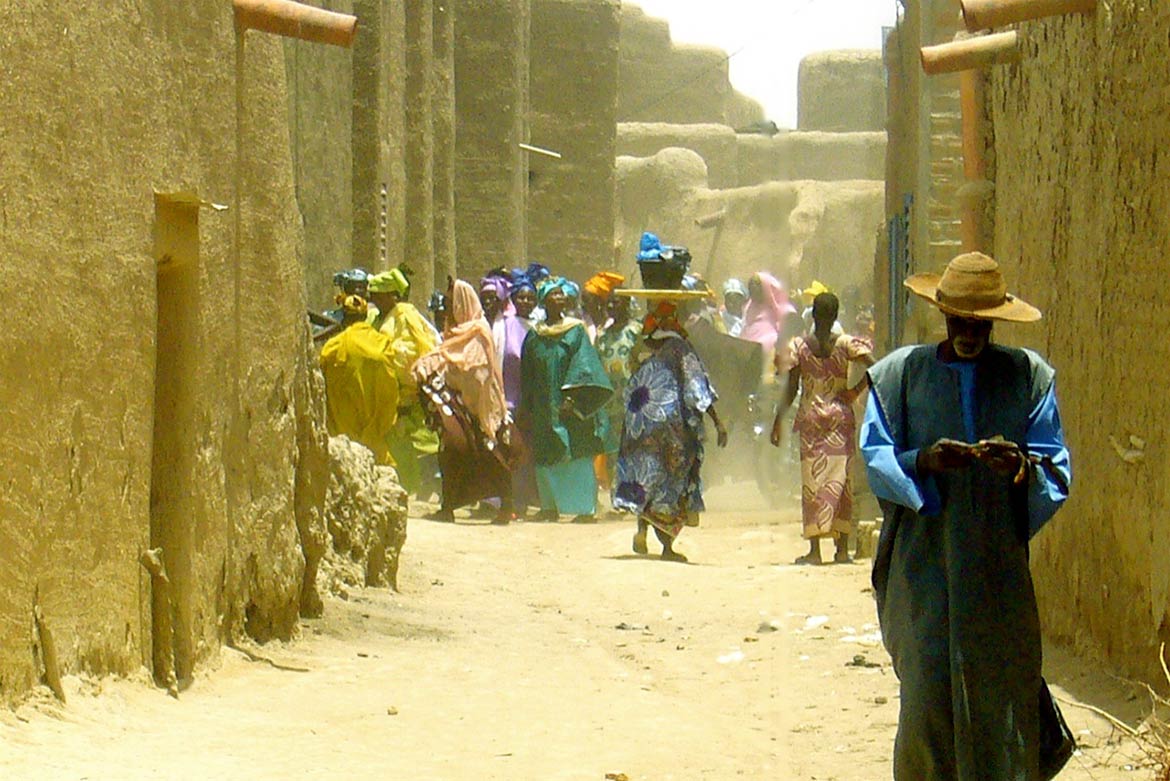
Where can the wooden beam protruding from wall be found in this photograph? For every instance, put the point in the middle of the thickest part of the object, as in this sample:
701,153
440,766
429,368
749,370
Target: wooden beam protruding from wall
969,53
295,20
985,14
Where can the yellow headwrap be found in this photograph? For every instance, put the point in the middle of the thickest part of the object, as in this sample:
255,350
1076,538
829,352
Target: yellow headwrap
355,305
392,281
809,293
604,283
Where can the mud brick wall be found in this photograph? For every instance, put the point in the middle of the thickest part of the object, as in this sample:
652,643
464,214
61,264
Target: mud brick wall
573,83
320,83
491,105
665,82
841,91
174,308
1081,168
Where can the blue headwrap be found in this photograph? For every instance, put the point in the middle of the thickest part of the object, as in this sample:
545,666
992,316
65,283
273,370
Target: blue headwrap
521,280
538,272
650,247
569,288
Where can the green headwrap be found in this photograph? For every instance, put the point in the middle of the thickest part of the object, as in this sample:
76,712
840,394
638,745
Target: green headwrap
392,281
554,283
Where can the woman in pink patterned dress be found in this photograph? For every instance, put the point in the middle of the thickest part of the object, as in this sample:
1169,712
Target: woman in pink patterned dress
826,426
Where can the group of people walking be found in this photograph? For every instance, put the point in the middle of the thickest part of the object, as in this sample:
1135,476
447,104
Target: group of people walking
536,391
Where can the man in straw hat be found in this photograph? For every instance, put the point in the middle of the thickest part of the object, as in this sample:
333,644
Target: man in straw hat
963,446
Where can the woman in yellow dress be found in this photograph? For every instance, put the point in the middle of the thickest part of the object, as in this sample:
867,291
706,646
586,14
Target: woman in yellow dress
361,389
411,336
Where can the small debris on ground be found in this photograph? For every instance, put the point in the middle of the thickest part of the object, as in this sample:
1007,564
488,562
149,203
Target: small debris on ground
815,622
859,660
616,777
735,657
631,627
392,711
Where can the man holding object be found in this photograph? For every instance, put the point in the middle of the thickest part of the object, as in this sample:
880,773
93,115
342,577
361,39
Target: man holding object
964,449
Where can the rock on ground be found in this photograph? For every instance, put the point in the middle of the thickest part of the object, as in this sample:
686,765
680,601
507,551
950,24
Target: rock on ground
365,514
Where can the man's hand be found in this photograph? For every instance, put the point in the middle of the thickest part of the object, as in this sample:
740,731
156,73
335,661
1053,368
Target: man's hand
946,455
1002,457
721,436
567,408
777,432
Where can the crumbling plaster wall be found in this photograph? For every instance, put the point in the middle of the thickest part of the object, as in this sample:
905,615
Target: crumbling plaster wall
1081,204
798,230
79,374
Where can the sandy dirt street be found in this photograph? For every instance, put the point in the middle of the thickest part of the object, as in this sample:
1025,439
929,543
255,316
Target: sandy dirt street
537,651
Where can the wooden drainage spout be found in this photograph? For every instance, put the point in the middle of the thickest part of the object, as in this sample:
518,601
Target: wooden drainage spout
295,20
983,14
970,53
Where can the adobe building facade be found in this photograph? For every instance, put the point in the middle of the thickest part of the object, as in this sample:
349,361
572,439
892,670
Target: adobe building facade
154,342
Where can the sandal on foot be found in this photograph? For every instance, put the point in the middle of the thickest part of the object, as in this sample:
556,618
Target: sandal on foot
443,516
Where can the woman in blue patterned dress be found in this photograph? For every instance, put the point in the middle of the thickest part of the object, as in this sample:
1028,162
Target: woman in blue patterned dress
662,436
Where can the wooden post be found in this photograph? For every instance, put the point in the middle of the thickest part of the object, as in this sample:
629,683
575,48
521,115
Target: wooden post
969,53
984,14
295,20
971,106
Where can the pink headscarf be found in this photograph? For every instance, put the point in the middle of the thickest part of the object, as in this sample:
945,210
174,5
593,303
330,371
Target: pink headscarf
763,320
466,358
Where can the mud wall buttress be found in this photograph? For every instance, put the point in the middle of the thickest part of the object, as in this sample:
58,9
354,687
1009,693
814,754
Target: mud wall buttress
573,84
443,126
491,105
420,144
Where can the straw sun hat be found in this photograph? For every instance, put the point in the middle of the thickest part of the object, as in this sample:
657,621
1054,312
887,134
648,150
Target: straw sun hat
972,286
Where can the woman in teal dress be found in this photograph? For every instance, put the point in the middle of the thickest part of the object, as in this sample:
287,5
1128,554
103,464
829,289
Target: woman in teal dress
563,391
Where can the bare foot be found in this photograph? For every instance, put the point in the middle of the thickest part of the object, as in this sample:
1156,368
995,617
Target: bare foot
640,542
672,555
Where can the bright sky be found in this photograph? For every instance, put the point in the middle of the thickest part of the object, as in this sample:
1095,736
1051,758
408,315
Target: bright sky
772,36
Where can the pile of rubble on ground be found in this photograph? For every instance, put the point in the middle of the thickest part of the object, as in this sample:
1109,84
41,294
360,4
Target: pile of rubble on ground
365,515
